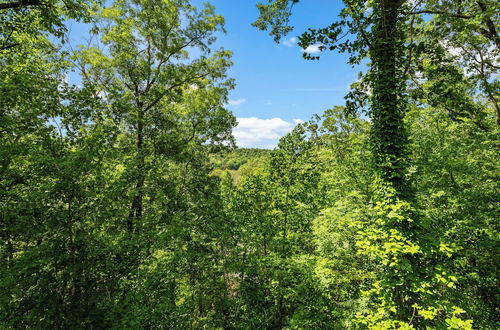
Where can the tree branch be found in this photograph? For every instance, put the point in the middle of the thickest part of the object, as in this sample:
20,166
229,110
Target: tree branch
162,95
165,60
440,12
17,4
491,33
8,46
10,5
362,32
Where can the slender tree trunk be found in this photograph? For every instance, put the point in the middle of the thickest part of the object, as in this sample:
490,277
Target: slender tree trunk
10,251
137,204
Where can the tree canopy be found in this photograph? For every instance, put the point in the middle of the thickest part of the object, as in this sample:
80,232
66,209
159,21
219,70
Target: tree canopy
125,204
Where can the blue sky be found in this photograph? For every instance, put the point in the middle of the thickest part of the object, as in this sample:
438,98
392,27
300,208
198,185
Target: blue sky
276,87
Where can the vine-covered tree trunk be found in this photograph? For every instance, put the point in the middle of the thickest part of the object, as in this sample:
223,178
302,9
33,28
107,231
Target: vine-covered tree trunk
389,136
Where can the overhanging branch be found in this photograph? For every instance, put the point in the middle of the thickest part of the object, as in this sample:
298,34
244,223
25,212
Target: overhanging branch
17,4
440,12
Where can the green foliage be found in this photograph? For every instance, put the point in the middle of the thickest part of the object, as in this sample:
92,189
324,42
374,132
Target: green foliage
106,186
123,204
275,15
23,22
239,162
393,230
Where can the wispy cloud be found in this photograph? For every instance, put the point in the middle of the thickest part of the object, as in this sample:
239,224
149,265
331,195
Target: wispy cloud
290,42
263,133
236,102
313,49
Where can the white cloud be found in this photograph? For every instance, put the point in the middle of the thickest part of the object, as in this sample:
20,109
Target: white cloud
236,102
298,121
290,42
264,133
313,49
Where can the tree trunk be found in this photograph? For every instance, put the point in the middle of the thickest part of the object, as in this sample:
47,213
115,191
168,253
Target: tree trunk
137,208
389,136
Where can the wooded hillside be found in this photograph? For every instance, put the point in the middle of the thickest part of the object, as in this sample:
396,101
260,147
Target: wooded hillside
124,203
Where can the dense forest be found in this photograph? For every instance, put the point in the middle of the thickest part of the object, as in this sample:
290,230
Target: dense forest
125,205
